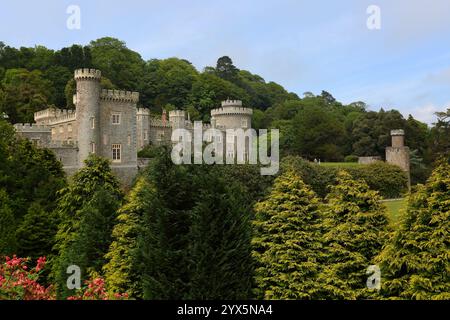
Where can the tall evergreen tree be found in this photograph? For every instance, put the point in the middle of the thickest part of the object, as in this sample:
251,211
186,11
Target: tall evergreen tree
122,272
86,209
220,239
287,241
164,243
355,227
416,262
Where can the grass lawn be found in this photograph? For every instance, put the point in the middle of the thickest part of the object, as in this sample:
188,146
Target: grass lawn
394,207
341,164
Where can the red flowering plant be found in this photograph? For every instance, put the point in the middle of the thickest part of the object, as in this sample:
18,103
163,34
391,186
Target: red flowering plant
95,290
19,282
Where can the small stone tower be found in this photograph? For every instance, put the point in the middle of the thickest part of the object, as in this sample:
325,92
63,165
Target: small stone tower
232,115
177,119
142,126
398,153
88,112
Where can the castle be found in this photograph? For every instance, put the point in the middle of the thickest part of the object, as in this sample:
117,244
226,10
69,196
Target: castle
109,123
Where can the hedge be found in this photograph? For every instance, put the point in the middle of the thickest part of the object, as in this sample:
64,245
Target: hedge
389,180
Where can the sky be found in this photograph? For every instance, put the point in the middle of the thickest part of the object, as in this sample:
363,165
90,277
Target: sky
302,45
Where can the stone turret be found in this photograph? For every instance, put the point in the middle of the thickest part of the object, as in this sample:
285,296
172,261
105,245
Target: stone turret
177,119
398,153
232,115
88,111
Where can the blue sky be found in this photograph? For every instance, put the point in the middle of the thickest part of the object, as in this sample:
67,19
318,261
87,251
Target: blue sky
303,45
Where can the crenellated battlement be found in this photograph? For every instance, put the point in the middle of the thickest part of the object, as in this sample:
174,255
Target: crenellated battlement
44,114
231,110
235,103
87,74
177,113
155,122
397,132
64,116
142,112
119,95
31,127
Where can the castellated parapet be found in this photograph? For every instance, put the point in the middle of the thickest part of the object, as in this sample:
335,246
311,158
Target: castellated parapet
233,103
119,95
87,74
143,112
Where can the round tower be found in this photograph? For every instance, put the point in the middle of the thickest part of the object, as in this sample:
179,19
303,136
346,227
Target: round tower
232,115
88,112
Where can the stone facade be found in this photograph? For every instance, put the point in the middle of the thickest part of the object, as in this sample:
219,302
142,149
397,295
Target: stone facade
108,123
398,153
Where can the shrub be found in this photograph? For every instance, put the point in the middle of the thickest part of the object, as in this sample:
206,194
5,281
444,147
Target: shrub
351,158
389,180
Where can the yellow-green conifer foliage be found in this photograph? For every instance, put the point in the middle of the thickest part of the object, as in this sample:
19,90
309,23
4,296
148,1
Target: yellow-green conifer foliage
416,262
355,227
121,271
287,240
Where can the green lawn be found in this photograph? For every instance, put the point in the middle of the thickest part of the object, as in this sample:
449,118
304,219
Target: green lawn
394,207
341,164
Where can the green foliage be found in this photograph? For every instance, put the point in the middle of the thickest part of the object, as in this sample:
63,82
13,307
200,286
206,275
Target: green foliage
122,272
164,243
287,241
29,181
415,263
389,180
351,158
355,228
220,263
7,226
24,92
86,209
36,233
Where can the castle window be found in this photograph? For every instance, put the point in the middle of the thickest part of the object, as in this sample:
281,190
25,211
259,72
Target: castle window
36,141
244,123
116,152
69,128
61,129
92,123
92,147
116,118
145,135
230,153
53,131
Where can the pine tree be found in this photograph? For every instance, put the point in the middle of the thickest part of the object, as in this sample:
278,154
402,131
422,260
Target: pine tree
86,209
416,262
122,272
220,239
287,241
355,227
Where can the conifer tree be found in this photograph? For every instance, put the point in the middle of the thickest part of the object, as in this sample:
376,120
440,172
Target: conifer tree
220,239
355,227
86,209
287,241
416,262
164,242
36,233
122,272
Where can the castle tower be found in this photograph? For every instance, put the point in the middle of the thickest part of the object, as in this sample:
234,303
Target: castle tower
177,119
398,153
232,115
88,112
142,127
